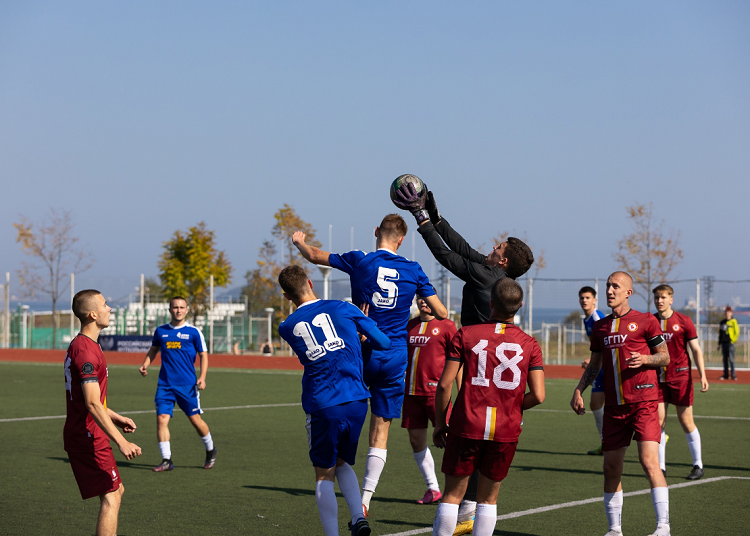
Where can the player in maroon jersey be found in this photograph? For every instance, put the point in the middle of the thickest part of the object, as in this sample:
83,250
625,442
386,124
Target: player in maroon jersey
427,346
498,360
629,345
675,380
90,424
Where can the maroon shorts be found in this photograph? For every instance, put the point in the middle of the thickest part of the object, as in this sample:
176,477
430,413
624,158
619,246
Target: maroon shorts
639,421
679,393
417,410
463,456
96,472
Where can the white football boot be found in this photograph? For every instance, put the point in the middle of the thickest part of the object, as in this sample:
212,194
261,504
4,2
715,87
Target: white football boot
661,530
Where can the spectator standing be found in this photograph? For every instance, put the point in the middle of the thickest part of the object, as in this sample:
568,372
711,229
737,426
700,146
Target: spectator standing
729,332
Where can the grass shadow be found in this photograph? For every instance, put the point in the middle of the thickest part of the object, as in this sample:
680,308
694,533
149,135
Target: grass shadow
299,492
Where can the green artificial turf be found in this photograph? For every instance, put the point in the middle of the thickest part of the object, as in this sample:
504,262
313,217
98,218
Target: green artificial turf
263,482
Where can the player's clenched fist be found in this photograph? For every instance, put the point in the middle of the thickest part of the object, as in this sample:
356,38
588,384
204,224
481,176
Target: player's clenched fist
143,370
129,450
298,238
439,435
577,403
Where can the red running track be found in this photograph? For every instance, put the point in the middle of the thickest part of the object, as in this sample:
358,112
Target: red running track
262,362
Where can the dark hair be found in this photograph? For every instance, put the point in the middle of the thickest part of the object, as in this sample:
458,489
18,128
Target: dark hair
663,288
393,227
82,303
507,297
519,258
587,290
293,280
177,298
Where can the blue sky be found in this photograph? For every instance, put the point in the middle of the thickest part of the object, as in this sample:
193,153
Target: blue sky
544,119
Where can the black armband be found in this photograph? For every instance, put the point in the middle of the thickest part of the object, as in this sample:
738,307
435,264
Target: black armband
656,341
536,368
89,380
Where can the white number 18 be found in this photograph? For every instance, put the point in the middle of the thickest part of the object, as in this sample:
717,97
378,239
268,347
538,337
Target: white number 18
505,364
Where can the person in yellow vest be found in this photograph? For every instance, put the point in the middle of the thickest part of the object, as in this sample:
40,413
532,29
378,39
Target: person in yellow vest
729,332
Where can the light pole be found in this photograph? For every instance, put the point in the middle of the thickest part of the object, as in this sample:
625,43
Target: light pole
326,271
269,312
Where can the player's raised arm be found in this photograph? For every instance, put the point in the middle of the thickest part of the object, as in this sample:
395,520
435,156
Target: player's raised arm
588,377
313,254
695,349
92,395
148,359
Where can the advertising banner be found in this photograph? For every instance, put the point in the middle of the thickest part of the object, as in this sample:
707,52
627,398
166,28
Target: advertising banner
125,343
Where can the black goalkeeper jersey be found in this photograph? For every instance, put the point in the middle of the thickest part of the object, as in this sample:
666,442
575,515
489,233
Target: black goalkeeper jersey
458,257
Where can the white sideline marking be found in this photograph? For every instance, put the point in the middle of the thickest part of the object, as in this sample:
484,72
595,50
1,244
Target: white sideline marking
253,406
694,416
551,507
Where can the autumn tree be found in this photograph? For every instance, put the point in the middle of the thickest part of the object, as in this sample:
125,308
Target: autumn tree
261,288
649,254
56,255
188,261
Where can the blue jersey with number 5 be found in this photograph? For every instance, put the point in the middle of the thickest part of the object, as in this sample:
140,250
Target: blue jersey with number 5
323,335
387,282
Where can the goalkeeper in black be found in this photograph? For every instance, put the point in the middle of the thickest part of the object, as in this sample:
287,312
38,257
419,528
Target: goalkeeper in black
511,258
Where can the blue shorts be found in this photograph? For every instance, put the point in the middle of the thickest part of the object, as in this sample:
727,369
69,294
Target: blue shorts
598,386
384,374
187,397
333,433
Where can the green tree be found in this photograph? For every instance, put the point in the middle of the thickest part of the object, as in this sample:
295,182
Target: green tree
649,254
188,261
56,254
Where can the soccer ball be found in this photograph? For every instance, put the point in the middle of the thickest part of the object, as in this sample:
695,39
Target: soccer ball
402,180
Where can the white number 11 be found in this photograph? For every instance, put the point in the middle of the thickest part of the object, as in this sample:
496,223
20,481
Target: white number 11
331,343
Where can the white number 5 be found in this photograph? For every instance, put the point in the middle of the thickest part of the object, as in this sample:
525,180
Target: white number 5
386,281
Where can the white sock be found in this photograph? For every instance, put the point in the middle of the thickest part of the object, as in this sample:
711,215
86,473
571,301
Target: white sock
663,451
599,419
165,449
350,490
613,508
208,442
427,466
660,498
373,468
484,523
328,508
694,444
445,520
467,510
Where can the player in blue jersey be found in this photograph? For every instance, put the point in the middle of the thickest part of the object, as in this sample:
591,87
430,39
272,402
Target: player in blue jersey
587,301
384,283
324,336
179,343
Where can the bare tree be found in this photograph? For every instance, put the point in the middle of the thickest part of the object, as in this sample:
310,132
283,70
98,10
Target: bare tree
56,255
650,254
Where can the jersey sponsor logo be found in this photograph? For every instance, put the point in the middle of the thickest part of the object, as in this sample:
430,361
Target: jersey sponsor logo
644,386
614,340
183,336
436,331
174,345
668,336
681,369
419,339
632,326
432,384
87,368
676,327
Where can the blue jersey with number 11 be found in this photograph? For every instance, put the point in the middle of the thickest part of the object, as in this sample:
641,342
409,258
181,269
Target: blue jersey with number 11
387,282
323,335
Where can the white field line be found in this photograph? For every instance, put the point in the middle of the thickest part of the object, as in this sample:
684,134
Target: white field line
694,416
551,507
252,406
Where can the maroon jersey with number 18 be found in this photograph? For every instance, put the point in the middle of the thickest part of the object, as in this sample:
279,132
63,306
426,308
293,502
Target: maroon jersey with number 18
428,344
616,339
496,359
678,330
84,363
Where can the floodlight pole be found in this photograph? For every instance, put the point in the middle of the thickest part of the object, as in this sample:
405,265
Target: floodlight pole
72,295
269,312
142,325
6,326
326,271
211,314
